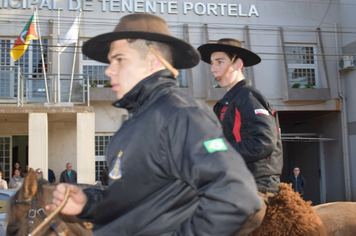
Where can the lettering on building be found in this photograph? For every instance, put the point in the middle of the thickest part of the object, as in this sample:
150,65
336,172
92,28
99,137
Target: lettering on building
139,6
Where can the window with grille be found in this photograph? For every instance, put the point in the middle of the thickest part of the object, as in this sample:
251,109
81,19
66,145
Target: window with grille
182,79
302,67
5,156
31,66
101,141
96,74
99,167
94,71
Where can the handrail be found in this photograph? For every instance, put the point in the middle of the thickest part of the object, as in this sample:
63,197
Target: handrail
27,90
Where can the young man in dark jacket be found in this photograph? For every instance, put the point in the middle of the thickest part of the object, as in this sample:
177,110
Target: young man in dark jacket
298,181
171,170
249,122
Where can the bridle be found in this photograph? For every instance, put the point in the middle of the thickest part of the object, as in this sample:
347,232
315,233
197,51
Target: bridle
36,209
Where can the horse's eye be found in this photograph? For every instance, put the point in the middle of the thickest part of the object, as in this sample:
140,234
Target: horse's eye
12,231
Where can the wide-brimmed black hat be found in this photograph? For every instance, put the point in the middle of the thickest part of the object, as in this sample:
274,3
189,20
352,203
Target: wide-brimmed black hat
229,46
142,26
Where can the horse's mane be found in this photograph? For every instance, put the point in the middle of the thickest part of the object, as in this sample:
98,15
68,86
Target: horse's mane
289,214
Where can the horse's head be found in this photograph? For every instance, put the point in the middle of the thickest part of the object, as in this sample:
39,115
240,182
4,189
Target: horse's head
25,211
24,207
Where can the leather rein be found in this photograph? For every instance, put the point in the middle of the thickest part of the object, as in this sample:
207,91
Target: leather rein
36,209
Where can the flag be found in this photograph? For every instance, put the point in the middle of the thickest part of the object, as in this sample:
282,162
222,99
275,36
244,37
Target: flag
70,37
27,34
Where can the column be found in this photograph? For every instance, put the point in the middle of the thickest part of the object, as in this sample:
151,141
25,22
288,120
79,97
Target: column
86,148
38,142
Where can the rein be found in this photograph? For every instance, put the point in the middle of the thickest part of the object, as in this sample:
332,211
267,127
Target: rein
42,213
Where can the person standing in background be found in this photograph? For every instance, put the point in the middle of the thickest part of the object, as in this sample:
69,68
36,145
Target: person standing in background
298,181
39,173
17,166
105,177
16,181
25,171
68,175
3,183
51,176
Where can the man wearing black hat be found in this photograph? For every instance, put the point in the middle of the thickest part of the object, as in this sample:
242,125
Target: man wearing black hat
171,170
249,122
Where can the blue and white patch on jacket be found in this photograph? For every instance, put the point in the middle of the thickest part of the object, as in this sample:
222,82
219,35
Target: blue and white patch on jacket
115,172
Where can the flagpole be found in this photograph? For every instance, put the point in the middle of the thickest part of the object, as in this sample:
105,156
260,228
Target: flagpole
74,56
59,63
43,62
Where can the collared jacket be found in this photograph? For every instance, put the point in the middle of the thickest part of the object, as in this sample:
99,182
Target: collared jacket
171,170
251,125
64,178
298,184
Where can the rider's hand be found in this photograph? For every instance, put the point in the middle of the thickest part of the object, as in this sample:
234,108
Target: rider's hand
75,203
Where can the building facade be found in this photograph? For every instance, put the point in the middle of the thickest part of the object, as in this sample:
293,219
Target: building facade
307,73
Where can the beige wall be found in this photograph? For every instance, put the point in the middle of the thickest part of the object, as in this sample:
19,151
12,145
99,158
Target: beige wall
61,146
107,117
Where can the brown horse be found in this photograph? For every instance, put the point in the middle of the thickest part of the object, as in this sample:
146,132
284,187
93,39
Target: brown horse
339,218
289,214
25,211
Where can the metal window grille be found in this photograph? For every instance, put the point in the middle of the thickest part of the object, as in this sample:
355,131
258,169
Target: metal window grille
99,167
30,62
5,144
96,74
301,65
182,79
7,79
101,141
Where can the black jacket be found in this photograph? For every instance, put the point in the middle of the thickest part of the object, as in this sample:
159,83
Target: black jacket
250,124
298,184
170,180
64,178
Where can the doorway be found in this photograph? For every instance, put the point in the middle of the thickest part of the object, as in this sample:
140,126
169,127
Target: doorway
304,155
20,151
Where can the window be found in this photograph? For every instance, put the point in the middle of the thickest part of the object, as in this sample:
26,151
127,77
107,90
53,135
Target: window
5,156
7,76
96,74
182,79
31,67
99,167
94,71
302,67
101,141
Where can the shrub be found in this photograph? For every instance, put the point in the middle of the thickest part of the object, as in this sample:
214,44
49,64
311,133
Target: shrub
296,85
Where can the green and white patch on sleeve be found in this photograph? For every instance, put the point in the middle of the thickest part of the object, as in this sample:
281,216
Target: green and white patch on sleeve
215,145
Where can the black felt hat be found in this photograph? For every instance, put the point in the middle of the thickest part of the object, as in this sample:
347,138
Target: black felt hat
142,26
232,46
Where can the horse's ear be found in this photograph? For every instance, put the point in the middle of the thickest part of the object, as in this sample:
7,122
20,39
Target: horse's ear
30,184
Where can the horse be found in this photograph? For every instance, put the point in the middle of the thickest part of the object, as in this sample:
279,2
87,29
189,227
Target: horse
289,214
339,218
25,211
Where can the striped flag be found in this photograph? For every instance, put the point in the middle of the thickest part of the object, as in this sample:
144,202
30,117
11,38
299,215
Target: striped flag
27,34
